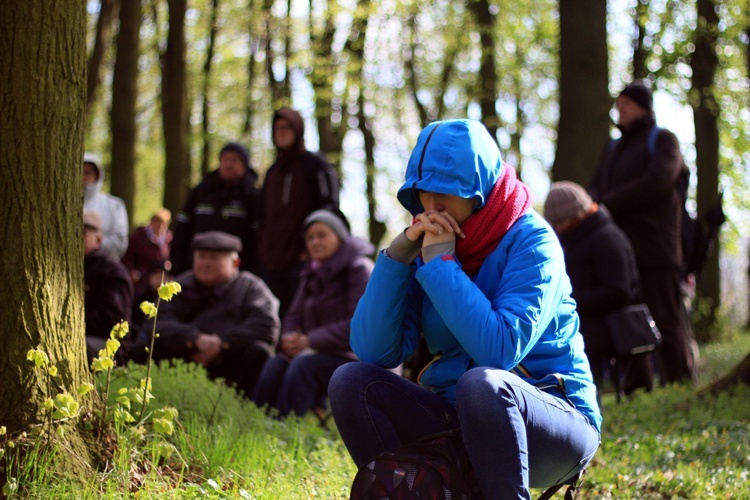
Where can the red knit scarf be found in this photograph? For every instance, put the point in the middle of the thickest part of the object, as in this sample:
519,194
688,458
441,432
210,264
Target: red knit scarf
507,201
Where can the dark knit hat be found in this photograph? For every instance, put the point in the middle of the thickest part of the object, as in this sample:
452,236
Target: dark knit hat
640,94
217,240
566,200
239,149
330,219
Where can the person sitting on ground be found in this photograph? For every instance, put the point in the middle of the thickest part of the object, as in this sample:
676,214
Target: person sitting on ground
601,265
482,276
148,246
224,319
111,209
108,293
315,330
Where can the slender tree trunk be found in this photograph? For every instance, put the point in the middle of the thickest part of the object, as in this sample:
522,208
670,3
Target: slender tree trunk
124,95
107,12
706,114
206,108
376,227
640,71
253,46
583,129
42,118
411,72
487,70
174,109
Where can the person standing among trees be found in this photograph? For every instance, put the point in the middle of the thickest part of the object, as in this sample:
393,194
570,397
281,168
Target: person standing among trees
226,200
641,191
298,183
111,209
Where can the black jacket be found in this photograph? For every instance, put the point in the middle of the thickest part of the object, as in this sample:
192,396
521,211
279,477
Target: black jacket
108,293
241,311
215,205
642,194
602,270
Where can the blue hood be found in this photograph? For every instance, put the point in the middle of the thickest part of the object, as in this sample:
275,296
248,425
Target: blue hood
456,157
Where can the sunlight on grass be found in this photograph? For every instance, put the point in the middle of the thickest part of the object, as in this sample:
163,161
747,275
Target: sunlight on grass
667,444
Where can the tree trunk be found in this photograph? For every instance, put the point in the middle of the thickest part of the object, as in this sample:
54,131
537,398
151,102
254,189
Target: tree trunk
42,118
174,109
583,129
107,12
122,114
739,374
706,113
213,29
487,70
640,71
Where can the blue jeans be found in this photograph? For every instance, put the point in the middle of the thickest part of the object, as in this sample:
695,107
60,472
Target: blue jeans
517,436
294,386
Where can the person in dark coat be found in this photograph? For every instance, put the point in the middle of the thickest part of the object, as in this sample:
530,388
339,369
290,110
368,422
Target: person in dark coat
148,247
108,293
641,192
298,183
224,319
601,265
225,201
315,330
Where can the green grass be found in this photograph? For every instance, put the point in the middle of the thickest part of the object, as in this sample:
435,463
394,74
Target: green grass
667,444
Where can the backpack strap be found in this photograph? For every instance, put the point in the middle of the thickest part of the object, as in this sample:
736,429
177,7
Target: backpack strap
570,492
653,134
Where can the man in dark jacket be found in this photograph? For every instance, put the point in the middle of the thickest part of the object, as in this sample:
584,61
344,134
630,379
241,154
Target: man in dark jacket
108,292
298,183
601,265
225,319
225,201
640,190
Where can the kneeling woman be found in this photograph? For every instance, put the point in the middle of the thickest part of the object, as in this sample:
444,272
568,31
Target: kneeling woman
315,330
482,277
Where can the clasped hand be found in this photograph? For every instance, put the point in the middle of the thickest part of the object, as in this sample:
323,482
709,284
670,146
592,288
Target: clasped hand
435,226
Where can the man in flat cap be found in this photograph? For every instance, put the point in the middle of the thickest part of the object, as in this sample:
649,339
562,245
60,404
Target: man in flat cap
640,179
108,293
225,319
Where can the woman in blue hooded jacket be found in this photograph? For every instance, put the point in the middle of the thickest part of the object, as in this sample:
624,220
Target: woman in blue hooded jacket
482,277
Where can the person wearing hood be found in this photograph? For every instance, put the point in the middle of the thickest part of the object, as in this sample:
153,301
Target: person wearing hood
226,200
298,183
111,209
315,330
642,192
482,277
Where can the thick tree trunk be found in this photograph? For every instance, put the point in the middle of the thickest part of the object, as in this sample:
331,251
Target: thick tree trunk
107,12
487,70
583,129
124,95
42,117
706,114
174,109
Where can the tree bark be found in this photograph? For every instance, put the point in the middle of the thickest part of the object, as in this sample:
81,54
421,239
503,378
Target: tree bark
206,122
704,63
487,69
739,374
583,129
640,71
42,118
174,109
122,113
107,12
